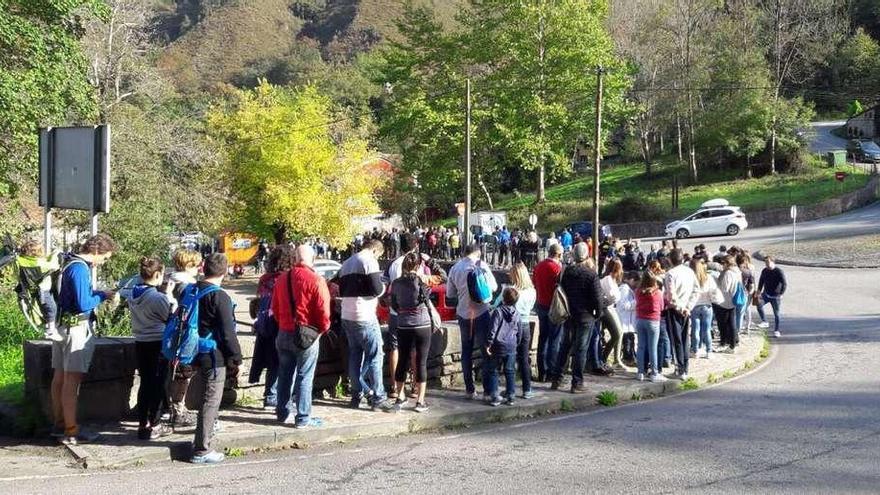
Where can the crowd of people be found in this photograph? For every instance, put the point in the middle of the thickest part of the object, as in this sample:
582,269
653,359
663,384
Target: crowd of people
644,310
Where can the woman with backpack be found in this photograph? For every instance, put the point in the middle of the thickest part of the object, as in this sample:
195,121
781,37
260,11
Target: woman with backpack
725,311
701,315
410,299
281,259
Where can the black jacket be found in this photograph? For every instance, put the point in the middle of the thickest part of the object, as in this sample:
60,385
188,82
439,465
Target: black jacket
217,317
772,282
581,286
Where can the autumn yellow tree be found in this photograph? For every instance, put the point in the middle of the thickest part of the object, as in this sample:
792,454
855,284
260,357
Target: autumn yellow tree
294,169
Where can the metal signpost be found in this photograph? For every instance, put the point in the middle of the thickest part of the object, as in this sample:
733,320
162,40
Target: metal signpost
793,229
533,220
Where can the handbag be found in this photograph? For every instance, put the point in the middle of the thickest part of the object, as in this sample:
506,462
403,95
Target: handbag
559,312
436,320
304,336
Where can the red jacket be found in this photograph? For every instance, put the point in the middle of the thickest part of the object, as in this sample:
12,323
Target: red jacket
310,295
649,306
545,277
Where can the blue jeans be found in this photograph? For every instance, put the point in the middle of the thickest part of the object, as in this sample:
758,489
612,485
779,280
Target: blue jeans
365,359
523,355
584,340
294,362
508,364
648,332
739,314
549,344
775,303
701,327
473,332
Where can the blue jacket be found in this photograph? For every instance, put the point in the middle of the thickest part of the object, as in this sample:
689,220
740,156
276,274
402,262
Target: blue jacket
565,239
502,337
77,296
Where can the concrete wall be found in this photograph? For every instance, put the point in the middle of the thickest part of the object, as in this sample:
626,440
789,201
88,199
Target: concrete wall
767,218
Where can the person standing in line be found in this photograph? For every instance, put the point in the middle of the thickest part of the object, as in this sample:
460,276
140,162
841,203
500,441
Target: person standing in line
503,247
725,311
221,358
473,316
526,294
664,346
771,286
610,318
150,310
701,316
300,299
581,285
744,262
409,300
680,291
360,285
626,306
501,347
72,356
649,302
186,266
545,278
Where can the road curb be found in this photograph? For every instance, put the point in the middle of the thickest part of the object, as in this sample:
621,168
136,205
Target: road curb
786,262
549,403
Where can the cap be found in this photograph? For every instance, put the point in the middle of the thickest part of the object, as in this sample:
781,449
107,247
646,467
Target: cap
580,252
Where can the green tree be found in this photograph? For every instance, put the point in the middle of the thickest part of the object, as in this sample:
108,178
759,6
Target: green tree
295,170
855,108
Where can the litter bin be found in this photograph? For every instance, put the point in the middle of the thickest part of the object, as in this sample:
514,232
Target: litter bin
836,158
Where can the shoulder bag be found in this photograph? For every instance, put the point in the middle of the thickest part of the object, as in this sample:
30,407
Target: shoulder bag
304,336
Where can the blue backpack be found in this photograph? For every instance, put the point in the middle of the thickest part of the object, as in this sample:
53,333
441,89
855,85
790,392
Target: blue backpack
739,296
478,286
180,341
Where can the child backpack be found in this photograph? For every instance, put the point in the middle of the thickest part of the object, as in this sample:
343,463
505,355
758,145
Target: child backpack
740,298
180,341
478,286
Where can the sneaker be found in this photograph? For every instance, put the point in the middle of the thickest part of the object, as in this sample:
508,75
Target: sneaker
310,424
554,385
270,405
601,372
144,433
707,355
776,334
355,403
640,377
472,396
384,405
683,376
400,404
495,401
421,407
487,398
578,389
509,402
528,395
212,457
700,354
728,350
159,431
658,378
763,324
289,420
84,436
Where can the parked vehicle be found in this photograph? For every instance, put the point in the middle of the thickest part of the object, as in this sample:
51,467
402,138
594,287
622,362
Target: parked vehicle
715,217
585,229
863,150
327,268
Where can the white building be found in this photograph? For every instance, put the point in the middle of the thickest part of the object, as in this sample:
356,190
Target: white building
864,125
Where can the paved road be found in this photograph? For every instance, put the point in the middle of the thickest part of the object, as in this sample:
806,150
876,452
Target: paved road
821,139
805,423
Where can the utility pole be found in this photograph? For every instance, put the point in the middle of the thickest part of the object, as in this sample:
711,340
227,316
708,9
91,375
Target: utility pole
600,72
466,235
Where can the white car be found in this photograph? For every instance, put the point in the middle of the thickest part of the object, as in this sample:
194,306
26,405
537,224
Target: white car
715,217
327,268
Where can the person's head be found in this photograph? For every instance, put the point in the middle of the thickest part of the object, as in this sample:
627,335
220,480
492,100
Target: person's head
305,255
375,246
653,247
728,262
632,279
770,262
31,247
555,251
614,269
472,251
98,249
655,267
152,271
519,276
216,266
580,252
187,260
281,259
665,263
510,296
699,268
411,262
722,248
648,283
743,259
676,257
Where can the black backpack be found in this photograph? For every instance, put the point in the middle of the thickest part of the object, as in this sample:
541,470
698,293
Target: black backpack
629,349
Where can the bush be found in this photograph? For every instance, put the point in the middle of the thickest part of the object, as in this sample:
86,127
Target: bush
14,330
634,209
607,398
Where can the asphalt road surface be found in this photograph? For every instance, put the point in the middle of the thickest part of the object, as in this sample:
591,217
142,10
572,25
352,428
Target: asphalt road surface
821,139
806,422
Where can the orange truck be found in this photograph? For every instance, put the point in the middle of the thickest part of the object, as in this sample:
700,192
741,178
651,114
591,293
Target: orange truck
240,247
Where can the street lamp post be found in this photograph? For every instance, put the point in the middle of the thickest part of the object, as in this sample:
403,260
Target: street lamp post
466,235
600,72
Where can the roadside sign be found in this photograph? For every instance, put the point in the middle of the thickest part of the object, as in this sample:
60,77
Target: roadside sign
533,220
840,176
794,212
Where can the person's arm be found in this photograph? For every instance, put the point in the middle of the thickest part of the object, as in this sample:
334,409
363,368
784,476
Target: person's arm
490,277
668,296
493,329
276,302
595,296
86,298
451,291
320,309
436,269
394,304
695,293
228,340
783,284
377,288
761,280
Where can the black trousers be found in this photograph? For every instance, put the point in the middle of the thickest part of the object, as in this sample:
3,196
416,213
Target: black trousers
678,327
726,325
152,371
408,339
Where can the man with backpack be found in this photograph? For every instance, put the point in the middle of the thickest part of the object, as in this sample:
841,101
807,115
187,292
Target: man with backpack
218,351
301,305
360,285
473,284
72,356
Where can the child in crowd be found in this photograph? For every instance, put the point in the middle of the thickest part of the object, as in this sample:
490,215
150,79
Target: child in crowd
35,272
501,346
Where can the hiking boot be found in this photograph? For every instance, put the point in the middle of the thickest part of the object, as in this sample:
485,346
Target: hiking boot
159,431
212,457
578,389
421,407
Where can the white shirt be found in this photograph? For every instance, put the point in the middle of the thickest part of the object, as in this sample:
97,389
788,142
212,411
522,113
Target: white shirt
680,288
609,287
626,308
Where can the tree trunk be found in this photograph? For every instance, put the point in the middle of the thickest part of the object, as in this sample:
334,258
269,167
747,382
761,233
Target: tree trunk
541,197
678,130
773,143
662,147
280,234
485,191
